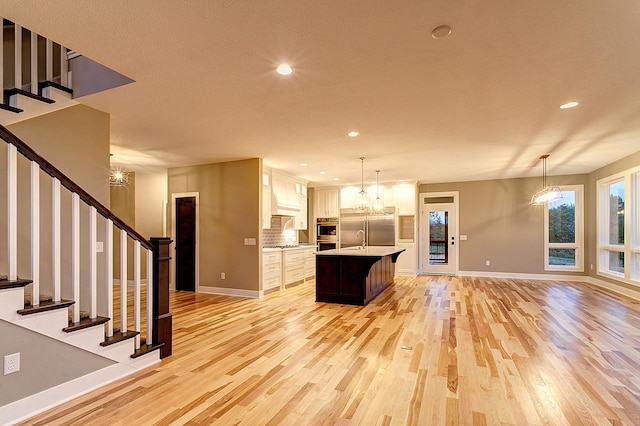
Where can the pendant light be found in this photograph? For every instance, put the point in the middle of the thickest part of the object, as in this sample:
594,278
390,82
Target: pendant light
118,177
362,202
547,193
378,205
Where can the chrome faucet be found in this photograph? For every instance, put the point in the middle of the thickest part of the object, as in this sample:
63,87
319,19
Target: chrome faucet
363,239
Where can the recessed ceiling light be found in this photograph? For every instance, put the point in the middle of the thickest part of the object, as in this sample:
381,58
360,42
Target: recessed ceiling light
304,164
568,105
322,173
336,178
353,134
441,32
284,69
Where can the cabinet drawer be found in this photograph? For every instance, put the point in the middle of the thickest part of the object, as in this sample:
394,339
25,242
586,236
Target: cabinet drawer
294,274
294,256
273,267
271,281
274,257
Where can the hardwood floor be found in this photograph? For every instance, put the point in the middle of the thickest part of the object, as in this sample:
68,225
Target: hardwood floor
427,351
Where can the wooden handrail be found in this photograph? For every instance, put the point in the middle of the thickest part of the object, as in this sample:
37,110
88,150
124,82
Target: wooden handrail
52,171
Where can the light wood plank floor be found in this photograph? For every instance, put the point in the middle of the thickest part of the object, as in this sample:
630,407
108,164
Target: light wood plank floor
427,351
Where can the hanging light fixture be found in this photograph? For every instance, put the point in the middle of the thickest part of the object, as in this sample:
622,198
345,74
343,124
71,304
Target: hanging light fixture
362,201
118,178
548,193
378,205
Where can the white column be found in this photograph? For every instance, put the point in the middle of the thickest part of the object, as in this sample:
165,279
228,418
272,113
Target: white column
93,262
136,290
75,255
55,238
49,59
64,67
18,56
149,297
108,251
2,60
12,211
34,63
123,280
35,233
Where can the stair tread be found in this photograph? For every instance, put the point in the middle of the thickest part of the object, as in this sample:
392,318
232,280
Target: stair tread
145,349
10,108
5,283
119,337
45,306
15,91
49,83
85,323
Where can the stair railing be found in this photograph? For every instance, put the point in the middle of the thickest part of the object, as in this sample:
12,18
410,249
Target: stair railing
60,181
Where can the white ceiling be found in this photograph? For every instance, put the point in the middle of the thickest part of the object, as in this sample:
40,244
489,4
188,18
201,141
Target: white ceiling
480,104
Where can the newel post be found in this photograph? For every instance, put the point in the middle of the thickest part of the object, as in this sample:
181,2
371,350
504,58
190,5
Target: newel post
162,321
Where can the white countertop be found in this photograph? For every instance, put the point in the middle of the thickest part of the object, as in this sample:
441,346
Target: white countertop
359,251
299,247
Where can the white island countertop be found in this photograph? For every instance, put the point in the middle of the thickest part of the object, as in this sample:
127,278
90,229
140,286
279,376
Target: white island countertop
359,251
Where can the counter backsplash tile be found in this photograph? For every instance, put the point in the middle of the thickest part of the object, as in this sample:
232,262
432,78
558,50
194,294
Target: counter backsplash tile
276,237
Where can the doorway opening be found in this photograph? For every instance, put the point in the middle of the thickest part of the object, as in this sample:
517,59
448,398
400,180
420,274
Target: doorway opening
439,233
185,225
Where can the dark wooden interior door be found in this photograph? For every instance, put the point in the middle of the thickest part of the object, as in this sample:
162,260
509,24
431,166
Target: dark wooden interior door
186,243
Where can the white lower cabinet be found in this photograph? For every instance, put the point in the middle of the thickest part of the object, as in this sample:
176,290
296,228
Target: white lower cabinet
294,266
271,270
281,268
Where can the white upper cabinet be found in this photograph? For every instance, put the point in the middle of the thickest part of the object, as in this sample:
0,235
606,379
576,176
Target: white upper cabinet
301,218
327,202
284,196
347,196
406,199
266,200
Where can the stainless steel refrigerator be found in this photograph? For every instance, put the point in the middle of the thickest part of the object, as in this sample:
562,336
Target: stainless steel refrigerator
380,230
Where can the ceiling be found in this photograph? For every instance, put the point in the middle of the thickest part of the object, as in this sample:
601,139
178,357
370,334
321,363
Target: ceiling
482,103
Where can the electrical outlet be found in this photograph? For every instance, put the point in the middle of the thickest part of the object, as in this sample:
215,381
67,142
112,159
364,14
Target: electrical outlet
99,247
487,262
222,275
11,363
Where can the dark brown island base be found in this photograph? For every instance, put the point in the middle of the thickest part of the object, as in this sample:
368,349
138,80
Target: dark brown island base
354,275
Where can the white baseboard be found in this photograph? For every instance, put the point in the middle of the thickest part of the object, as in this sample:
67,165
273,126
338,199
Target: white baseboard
223,291
30,406
521,276
612,287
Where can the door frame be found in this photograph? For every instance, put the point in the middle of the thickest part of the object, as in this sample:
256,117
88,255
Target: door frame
423,226
174,197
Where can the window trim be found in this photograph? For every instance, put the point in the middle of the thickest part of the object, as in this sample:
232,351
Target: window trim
631,246
578,245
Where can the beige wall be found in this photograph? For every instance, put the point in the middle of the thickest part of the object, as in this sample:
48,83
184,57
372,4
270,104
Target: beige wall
500,224
230,196
76,141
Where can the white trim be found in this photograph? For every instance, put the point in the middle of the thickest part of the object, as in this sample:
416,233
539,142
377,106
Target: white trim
456,203
17,56
136,292
34,63
123,280
12,211
520,276
35,233
578,245
150,312
93,262
172,274
108,250
49,59
55,238
224,291
615,289
75,255
25,408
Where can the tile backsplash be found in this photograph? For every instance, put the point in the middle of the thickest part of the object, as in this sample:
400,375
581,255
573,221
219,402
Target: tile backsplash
276,236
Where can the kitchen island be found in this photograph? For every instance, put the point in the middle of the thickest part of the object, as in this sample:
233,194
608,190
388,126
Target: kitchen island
354,275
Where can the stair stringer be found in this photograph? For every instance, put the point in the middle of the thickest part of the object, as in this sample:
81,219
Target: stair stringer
31,108
51,323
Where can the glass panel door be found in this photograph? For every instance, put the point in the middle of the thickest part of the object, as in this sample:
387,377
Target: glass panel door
439,239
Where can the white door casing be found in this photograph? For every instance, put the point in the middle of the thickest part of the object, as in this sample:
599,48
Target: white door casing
439,255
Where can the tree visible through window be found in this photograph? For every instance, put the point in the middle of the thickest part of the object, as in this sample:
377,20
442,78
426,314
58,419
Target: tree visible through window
563,224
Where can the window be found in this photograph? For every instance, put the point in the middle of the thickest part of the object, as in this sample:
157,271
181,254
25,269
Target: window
618,235
563,228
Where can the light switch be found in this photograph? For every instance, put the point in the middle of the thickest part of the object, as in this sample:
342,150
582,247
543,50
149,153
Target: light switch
99,247
463,237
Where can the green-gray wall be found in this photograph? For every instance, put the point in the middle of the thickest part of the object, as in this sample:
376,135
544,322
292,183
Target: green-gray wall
230,211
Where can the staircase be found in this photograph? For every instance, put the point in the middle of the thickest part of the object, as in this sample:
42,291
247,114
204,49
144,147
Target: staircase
76,299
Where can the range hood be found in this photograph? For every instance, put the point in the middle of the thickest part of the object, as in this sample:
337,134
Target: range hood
284,197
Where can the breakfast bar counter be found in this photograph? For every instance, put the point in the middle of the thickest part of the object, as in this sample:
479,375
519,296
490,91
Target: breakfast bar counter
354,275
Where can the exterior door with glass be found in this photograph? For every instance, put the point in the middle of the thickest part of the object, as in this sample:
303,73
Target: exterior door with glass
439,239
